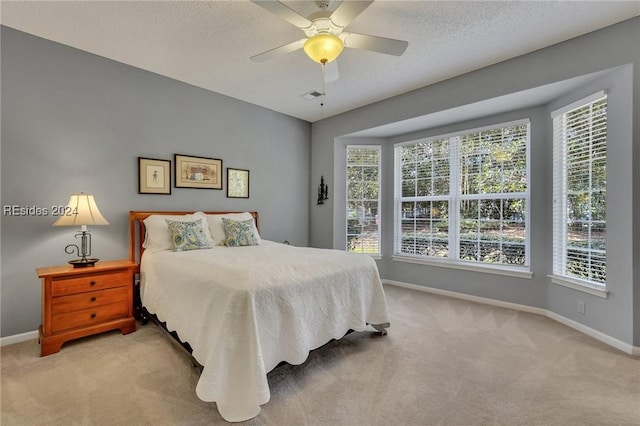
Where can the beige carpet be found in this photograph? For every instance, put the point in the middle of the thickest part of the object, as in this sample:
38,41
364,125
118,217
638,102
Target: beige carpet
444,362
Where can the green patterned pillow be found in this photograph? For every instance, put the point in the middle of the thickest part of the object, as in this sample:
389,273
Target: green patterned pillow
239,233
187,235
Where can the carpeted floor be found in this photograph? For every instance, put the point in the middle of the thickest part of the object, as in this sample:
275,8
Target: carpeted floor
444,362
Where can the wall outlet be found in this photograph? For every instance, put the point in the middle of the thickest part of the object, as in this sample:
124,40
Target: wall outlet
581,307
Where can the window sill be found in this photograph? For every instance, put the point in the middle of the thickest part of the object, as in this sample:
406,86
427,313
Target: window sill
467,266
579,285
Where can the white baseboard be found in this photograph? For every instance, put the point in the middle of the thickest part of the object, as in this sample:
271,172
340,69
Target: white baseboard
598,335
17,338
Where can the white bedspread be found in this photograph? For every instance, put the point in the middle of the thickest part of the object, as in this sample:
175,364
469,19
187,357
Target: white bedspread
245,309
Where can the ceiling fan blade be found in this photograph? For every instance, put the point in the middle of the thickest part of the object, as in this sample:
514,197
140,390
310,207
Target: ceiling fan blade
331,72
376,44
284,12
279,51
348,11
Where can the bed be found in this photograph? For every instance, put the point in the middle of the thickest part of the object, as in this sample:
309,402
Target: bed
243,309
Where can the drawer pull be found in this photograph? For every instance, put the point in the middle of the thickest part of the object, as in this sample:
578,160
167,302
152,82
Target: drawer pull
92,283
93,299
93,315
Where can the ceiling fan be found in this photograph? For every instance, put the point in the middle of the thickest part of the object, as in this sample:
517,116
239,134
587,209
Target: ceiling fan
324,33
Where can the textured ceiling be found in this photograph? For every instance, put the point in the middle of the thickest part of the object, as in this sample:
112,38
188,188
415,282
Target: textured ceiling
208,44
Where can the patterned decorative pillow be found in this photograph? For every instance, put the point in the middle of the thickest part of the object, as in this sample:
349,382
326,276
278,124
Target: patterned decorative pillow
188,235
157,235
217,228
239,233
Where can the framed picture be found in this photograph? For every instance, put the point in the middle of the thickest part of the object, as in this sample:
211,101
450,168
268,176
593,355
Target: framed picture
237,183
154,176
198,172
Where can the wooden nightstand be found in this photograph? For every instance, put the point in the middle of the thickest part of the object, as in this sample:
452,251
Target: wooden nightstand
79,302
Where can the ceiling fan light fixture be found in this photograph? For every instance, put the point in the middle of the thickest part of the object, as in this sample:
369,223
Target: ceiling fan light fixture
323,48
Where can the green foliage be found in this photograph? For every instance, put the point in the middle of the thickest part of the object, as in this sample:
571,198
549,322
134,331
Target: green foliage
586,170
494,161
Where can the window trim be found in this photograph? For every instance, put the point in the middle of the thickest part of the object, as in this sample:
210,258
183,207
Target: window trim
455,263
581,285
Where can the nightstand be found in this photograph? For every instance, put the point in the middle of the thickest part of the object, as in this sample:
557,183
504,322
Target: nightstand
79,302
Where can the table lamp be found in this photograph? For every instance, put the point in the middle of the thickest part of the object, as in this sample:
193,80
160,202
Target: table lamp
81,210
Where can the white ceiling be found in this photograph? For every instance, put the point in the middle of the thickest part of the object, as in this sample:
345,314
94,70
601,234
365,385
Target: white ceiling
208,44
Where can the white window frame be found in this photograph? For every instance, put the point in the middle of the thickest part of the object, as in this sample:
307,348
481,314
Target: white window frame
378,148
559,275
454,197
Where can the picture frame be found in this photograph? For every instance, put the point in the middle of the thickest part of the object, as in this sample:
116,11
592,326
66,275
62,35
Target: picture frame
237,183
154,176
197,172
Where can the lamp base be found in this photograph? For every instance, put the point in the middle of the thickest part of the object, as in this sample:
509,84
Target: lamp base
83,263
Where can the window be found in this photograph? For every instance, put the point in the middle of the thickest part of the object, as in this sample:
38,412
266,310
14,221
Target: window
579,191
465,197
363,199
423,205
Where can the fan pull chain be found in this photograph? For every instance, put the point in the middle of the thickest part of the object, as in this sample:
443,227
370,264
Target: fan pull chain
322,64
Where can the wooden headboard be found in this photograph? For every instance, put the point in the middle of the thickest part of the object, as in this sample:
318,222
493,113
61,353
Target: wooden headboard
137,228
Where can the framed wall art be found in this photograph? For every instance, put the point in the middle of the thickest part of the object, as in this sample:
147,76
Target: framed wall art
198,172
154,176
237,183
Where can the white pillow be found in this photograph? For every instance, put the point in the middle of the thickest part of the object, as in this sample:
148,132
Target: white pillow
157,232
217,227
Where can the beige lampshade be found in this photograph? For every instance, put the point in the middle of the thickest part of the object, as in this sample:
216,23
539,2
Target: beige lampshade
82,210
323,48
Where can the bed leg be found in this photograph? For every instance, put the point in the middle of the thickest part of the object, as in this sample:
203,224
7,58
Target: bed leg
381,328
144,315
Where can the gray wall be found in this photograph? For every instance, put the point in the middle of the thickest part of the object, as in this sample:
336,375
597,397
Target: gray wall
606,59
73,121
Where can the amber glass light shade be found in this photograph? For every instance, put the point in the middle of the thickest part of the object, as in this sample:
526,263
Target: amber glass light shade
323,48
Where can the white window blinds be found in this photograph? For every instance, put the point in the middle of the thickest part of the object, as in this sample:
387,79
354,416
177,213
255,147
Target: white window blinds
579,190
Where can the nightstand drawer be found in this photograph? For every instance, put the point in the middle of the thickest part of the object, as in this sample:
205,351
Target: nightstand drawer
87,317
77,302
62,287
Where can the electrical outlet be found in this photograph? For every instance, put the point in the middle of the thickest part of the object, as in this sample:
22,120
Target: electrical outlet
581,307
